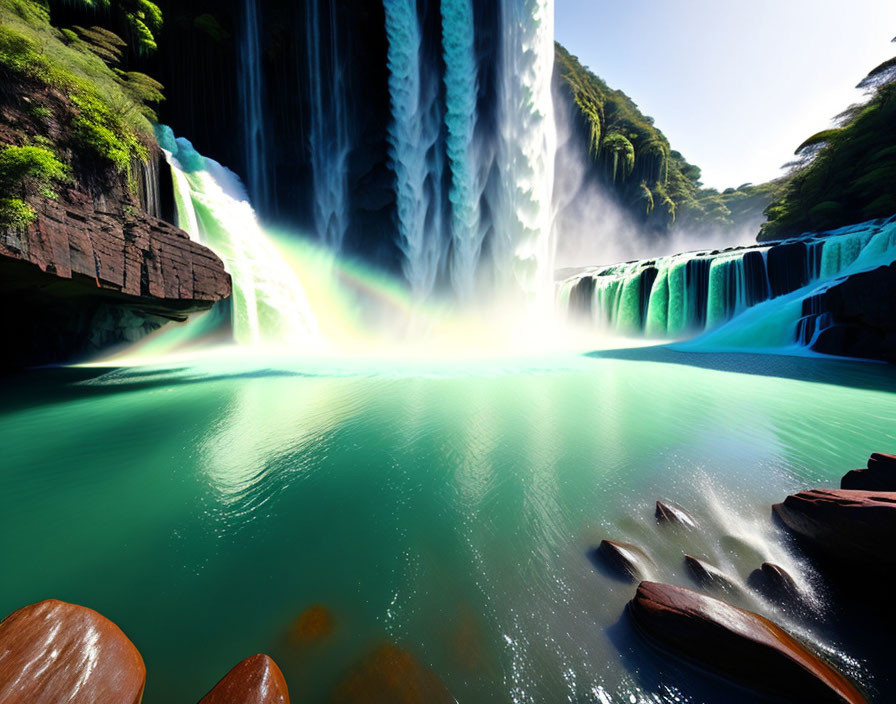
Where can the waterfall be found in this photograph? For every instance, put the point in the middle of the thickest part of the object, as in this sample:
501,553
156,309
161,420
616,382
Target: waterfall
527,143
329,139
252,108
268,305
413,137
740,298
461,88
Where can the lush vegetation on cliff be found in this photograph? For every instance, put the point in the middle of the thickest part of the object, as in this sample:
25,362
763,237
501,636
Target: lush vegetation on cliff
24,173
845,174
63,92
652,180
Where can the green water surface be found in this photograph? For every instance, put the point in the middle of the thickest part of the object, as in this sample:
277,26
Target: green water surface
446,509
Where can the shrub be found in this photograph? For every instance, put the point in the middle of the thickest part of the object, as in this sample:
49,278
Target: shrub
30,168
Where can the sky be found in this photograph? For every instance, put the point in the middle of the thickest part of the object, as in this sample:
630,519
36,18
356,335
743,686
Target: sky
735,86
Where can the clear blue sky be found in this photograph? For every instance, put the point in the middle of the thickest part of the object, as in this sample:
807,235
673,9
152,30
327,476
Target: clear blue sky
735,86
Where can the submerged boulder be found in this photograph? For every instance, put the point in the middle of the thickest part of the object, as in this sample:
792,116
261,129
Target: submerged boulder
623,560
58,652
255,680
855,528
879,476
390,675
669,513
314,624
709,576
739,645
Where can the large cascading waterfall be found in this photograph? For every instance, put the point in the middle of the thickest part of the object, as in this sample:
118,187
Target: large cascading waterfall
329,139
470,137
413,147
740,298
515,210
252,108
268,304
461,94
527,143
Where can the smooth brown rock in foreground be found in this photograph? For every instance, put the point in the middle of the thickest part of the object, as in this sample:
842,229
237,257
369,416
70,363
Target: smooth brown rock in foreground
624,560
879,476
390,675
739,645
854,527
58,652
256,680
669,513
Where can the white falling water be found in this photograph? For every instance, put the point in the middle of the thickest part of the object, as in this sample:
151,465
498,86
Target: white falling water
329,139
413,133
269,304
527,144
461,88
252,107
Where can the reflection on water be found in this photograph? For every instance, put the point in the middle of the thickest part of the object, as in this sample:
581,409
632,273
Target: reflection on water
209,508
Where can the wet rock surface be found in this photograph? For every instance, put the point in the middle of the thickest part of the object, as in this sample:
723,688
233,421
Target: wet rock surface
58,652
880,475
850,527
675,515
255,680
776,584
736,644
708,576
80,257
623,560
859,316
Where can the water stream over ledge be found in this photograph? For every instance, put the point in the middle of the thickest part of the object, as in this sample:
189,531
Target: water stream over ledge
448,508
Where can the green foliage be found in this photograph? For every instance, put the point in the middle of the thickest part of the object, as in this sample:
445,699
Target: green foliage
140,20
209,25
655,182
15,213
26,171
18,164
844,174
619,152
107,108
105,44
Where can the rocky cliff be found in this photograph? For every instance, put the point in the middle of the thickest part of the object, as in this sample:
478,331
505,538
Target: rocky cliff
84,275
85,261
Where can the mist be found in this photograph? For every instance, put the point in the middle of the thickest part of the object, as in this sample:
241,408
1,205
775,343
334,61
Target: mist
593,229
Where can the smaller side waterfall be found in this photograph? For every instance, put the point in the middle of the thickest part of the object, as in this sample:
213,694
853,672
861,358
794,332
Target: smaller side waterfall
747,297
252,107
269,303
413,134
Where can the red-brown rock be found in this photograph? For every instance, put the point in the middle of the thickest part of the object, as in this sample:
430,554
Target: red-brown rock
256,680
709,576
852,527
879,476
739,645
623,560
58,652
774,582
669,513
